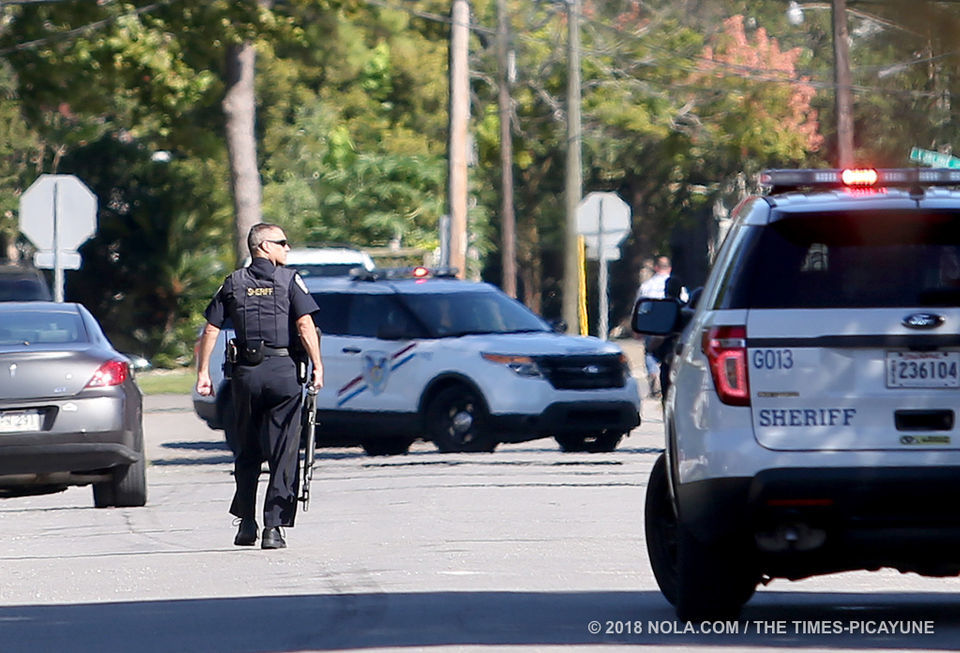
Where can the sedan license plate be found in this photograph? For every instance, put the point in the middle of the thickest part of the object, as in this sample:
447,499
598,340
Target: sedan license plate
19,421
923,369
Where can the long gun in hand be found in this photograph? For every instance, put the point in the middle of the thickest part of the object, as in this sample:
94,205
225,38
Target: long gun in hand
310,449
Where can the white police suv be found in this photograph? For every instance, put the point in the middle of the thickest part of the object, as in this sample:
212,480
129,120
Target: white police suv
811,423
419,354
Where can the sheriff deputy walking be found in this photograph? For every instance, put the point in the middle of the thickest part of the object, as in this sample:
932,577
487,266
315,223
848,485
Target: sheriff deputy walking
271,310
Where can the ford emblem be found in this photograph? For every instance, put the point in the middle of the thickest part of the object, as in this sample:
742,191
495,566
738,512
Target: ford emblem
923,321
591,369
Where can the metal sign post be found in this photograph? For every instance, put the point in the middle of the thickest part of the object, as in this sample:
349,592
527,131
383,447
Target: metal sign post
603,219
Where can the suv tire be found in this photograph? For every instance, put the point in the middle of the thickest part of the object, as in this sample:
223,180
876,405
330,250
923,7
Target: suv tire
713,581
660,530
393,446
603,443
456,419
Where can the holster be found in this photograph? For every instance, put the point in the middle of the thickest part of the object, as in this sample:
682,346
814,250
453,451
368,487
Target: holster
251,353
230,358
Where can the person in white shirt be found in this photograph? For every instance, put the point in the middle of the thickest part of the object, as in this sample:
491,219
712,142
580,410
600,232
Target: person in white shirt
655,288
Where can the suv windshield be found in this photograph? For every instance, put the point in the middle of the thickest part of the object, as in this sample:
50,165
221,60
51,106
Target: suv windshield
868,259
459,314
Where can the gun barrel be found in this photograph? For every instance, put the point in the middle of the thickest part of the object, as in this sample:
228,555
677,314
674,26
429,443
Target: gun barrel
310,449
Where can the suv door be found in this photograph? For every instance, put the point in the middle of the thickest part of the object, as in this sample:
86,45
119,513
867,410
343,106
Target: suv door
381,374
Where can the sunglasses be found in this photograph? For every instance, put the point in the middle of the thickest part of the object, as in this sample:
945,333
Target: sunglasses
282,243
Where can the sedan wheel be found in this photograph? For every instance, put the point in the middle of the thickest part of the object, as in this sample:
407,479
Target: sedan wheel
127,488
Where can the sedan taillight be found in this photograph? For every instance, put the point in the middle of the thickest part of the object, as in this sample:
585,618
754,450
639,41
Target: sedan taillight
110,373
726,350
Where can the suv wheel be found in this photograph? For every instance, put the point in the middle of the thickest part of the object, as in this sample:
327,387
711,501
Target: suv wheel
456,420
603,443
386,446
660,529
713,581
702,582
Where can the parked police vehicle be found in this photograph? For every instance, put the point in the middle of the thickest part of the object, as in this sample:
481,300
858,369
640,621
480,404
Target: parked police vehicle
811,422
418,354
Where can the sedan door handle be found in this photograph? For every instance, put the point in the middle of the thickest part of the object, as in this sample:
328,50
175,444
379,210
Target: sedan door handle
351,350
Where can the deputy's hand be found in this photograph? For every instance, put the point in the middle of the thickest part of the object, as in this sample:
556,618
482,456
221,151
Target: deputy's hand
204,385
317,381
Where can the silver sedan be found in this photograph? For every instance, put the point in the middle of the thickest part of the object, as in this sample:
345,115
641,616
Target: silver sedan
70,410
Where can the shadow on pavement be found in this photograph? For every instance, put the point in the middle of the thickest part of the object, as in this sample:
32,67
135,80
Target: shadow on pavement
456,619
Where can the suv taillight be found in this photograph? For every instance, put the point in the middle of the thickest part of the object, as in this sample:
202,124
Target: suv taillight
110,373
726,349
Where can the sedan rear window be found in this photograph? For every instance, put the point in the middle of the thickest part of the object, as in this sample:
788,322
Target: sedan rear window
862,260
32,327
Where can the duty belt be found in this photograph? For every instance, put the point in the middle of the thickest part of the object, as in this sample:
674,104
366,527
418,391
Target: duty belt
275,351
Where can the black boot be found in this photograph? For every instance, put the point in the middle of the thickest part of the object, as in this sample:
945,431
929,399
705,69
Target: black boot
272,539
247,533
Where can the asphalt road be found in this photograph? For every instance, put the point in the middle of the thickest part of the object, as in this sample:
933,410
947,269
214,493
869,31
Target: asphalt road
526,548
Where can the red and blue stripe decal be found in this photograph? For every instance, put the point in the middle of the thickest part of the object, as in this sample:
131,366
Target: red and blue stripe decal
359,383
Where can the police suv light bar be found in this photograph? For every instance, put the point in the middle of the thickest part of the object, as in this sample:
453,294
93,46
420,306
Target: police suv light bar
413,272
779,181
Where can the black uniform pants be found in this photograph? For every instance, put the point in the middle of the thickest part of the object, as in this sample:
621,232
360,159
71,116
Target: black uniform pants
266,398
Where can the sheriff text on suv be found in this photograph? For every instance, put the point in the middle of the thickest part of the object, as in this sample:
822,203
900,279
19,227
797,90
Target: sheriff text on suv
416,355
811,424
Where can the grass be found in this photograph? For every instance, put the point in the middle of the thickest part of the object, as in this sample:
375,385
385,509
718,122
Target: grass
157,382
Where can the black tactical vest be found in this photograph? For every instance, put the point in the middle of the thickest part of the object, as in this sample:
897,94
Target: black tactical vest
260,306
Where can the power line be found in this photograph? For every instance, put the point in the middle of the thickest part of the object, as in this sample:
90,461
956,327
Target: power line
78,31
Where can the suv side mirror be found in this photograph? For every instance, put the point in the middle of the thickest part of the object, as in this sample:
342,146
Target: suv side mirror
656,317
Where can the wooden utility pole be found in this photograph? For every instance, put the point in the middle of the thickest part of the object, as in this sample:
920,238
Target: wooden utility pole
842,79
507,218
457,147
573,183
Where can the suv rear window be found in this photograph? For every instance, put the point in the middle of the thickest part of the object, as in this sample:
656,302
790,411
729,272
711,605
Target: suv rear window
332,316
857,260
362,315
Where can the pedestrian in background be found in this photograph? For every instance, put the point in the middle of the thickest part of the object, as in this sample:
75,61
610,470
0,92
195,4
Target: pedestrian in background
271,311
654,288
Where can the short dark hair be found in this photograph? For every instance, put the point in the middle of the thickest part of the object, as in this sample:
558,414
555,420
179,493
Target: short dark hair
257,235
